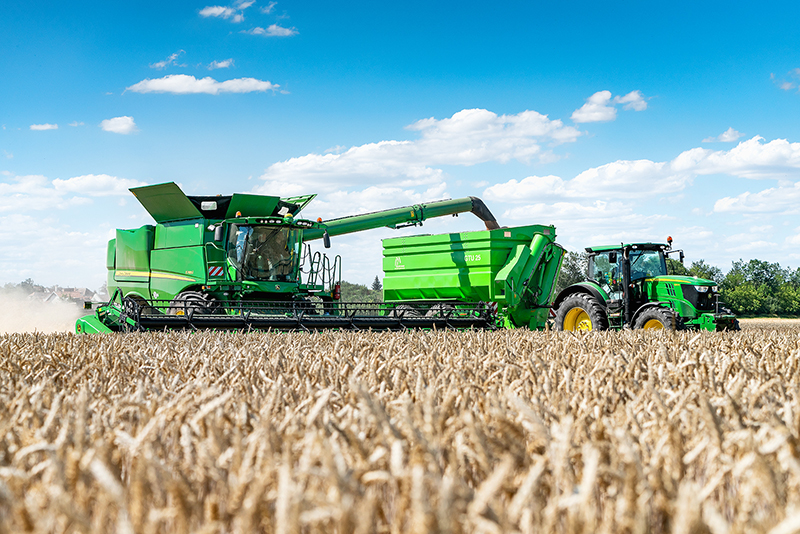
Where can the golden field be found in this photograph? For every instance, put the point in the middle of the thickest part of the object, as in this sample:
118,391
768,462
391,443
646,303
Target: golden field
507,431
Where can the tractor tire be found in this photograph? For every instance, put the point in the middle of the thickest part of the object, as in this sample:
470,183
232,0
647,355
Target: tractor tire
656,319
195,301
581,312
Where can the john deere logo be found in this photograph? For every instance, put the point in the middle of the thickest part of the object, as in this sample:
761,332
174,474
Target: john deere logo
398,263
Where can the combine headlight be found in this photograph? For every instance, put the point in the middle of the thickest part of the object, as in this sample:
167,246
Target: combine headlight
701,289
714,289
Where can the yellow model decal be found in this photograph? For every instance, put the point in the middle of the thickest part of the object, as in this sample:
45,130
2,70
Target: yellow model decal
146,274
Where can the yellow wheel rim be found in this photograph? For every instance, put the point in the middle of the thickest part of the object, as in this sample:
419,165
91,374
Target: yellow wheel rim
653,324
577,319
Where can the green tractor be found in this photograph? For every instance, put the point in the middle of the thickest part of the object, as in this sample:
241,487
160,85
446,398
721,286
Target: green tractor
628,286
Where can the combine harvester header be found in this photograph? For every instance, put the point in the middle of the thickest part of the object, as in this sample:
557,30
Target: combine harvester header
244,262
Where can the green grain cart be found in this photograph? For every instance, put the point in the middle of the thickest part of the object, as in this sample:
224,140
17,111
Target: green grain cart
243,262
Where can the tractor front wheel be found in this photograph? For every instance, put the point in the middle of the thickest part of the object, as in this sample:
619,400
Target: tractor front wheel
581,312
655,319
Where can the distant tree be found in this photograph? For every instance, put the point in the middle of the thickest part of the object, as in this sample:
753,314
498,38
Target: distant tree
358,293
701,269
676,267
573,269
376,284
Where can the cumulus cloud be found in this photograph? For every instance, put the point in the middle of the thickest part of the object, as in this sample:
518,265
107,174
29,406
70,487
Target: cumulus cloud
600,107
469,137
172,60
38,193
46,126
272,31
182,84
224,64
267,9
728,136
76,123
787,82
753,159
121,125
233,13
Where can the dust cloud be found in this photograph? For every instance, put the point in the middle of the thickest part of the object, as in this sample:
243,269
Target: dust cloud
19,314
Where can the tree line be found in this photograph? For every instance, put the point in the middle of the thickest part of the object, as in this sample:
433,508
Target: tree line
753,288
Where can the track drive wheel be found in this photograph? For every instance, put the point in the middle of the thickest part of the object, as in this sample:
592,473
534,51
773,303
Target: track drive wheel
655,319
581,312
195,301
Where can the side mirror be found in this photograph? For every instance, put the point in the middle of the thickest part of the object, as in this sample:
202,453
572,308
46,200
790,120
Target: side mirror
326,239
218,233
681,256
612,257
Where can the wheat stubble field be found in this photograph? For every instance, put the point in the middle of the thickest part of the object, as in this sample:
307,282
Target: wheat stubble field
506,431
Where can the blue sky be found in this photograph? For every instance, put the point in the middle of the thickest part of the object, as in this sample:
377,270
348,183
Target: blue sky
622,121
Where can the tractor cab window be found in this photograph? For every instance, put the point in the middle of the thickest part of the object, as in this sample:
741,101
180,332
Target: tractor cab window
264,253
607,273
647,263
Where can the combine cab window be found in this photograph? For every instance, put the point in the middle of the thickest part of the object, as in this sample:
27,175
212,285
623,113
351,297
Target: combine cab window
647,263
265,253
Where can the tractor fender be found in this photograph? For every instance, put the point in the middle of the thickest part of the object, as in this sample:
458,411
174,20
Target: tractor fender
647,306
581,287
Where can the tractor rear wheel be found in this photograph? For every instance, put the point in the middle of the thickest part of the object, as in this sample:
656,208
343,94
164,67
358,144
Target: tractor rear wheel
655,319
581,312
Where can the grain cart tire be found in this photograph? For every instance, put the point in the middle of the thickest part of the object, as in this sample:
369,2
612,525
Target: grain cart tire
191,300
655,319
440,310
581,312
405,310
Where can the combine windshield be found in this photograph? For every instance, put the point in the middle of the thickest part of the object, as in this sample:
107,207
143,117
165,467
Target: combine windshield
265,253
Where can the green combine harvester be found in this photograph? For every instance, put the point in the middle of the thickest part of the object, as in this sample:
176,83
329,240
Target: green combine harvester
628,287
244,262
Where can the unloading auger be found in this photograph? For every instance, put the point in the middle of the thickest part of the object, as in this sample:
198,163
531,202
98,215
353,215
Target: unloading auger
244,262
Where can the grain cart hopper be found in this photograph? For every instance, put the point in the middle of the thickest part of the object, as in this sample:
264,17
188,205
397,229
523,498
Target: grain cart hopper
242,262
628,287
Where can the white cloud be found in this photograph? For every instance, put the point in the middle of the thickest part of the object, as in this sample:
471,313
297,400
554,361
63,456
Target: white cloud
633,100
596,109
96,185
782,199
728,136
172,60
794,239
38,193
8,155
234,14
272,31
224,64
182,84
787,84
39,127
120,125
469,137
76,123
268,8
600,107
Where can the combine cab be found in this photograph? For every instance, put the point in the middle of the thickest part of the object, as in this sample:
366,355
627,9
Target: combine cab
628,287
243,262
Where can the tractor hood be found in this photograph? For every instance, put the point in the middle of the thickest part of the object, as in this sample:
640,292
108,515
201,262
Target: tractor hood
680,279
166,202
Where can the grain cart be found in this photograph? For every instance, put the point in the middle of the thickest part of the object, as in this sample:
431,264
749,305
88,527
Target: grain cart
628,287
243,262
